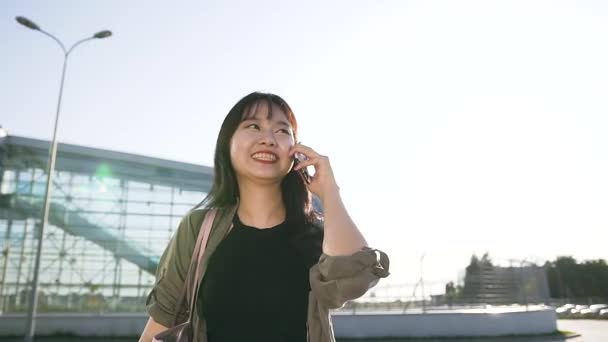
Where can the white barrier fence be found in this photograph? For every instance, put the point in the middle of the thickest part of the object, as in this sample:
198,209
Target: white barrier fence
450,323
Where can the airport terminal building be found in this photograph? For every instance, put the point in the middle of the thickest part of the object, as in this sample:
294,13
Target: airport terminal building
111,216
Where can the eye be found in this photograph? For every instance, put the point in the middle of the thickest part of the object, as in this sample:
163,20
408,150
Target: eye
284,130
254,126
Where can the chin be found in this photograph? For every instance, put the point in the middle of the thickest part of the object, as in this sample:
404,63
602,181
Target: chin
270,178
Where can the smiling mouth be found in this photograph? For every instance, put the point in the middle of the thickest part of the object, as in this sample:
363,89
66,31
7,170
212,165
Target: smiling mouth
265,157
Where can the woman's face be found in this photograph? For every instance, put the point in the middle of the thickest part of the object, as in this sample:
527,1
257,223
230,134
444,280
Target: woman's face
259,148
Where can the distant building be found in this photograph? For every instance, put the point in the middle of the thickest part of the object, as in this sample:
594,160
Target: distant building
506,285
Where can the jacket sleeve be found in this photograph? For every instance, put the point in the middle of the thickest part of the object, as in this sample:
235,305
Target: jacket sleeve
172,270
334,280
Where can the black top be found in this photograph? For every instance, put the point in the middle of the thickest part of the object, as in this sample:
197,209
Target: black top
256,286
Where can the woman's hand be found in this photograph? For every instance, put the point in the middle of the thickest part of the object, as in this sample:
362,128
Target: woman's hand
323,183
340,234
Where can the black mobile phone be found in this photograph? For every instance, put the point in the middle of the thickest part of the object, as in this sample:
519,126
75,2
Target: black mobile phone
298,158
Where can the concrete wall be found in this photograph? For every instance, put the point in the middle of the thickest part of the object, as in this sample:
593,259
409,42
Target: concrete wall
76,324
345,325
445,324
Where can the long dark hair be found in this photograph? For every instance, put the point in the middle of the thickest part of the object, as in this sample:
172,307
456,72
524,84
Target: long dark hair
225,191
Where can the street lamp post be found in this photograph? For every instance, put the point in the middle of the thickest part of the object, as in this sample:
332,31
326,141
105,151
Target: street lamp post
33,304
422,283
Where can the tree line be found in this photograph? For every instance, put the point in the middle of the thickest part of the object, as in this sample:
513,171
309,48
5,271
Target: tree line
569,278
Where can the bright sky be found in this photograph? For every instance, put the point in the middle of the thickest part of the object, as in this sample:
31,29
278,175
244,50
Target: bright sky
453,127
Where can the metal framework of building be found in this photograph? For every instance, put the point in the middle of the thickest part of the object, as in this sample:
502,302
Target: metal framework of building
112,214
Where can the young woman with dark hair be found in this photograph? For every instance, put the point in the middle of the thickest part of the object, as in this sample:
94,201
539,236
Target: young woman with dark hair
274,265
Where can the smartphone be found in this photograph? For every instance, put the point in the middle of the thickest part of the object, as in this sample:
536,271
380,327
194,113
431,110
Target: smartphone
298,158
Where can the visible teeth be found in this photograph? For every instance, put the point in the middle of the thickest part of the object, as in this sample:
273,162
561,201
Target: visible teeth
265,156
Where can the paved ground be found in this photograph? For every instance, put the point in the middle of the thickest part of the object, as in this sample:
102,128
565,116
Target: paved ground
590,331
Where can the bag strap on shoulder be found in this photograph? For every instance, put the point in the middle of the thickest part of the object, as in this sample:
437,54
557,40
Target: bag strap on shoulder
191,283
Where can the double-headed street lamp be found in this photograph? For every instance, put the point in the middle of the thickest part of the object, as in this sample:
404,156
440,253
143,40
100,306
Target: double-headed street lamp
33,304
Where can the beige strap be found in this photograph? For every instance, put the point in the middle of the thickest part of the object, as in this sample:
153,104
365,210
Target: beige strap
207,223
199,250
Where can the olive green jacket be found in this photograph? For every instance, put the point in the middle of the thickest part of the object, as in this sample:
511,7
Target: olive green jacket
334,280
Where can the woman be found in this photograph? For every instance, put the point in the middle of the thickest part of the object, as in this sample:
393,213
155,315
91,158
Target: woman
273,266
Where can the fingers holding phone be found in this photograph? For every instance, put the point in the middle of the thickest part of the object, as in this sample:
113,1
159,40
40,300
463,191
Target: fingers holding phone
322,181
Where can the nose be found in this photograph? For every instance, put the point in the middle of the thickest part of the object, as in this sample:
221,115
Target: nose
268,138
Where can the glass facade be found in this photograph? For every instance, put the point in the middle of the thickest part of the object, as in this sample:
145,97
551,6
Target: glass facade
112,214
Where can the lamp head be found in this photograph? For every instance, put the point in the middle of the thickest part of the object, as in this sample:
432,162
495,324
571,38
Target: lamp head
102,34
27,23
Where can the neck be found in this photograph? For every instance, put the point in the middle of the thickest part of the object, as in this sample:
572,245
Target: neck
261,205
